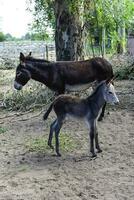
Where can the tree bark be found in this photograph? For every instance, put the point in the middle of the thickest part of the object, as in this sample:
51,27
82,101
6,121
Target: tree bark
121,44
103,41
68,33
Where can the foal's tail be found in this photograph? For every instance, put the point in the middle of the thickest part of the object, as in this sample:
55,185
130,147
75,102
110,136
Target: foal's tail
48,111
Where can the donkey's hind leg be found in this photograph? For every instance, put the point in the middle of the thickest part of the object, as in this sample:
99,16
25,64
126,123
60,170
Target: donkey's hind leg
51,134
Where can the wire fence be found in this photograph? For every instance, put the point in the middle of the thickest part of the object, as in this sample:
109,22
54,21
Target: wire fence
11,50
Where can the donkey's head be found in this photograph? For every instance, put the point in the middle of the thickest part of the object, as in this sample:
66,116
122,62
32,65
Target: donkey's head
109,92
23,75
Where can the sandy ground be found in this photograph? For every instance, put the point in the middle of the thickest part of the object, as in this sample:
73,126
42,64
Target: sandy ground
26,175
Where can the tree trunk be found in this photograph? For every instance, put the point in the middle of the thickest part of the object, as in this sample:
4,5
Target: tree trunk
68,33
103,41
121,44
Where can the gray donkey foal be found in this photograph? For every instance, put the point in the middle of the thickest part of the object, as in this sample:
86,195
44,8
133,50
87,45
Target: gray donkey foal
87,109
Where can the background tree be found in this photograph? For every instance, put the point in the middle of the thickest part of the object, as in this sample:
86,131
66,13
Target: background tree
77,22
63,16
68,30
2,37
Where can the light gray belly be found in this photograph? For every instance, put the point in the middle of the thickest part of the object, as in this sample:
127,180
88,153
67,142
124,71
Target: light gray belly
78,87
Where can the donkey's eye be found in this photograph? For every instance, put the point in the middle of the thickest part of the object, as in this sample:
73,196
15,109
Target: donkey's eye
110,93
19,73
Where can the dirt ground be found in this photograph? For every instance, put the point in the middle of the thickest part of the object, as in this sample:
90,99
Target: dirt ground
31,175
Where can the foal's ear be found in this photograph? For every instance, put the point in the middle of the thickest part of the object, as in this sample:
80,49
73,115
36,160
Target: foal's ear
22,57
110,80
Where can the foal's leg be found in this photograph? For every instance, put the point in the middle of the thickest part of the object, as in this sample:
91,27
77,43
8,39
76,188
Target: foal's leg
92,136
100,118
51,133
57,131
97,141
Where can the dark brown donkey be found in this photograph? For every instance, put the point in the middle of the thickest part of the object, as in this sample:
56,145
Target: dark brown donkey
63,75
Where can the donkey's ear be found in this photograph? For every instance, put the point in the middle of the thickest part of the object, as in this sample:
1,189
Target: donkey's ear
22,57
30,54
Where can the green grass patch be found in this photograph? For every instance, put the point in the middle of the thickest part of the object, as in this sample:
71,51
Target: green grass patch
67,144
23,168
2,130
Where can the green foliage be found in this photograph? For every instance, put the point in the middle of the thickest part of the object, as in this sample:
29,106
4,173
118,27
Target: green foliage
8,37
2,129
2,37
36,36
112,15
44,17
95,15
40,36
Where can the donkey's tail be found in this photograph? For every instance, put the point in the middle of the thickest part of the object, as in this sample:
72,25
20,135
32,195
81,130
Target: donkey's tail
48,111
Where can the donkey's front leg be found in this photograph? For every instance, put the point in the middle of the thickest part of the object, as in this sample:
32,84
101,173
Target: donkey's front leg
92,136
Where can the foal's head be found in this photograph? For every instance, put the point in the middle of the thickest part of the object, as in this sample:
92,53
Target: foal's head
109,92
23,75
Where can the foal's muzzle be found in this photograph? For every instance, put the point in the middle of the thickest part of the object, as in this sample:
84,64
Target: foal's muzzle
17,86
116,102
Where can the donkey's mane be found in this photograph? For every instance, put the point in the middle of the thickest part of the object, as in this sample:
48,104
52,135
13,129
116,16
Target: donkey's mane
32,59
39,65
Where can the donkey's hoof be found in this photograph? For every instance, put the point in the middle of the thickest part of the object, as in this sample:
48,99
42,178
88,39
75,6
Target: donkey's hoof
99,150
100,118
58,155
94,155
51,146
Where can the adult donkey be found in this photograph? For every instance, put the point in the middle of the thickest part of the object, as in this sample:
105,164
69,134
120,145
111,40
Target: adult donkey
63,75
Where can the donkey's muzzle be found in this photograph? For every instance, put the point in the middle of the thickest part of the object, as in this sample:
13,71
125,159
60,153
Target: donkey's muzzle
17,86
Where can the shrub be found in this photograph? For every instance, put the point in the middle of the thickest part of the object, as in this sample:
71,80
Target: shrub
27,99
125,72
123,66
